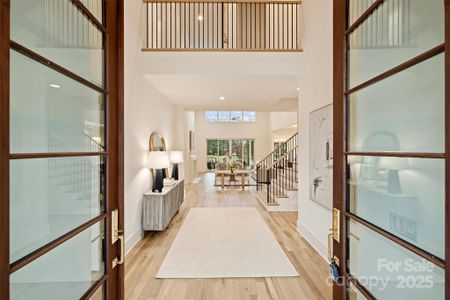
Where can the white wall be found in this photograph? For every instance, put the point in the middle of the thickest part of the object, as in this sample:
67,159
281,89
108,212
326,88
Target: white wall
260,131
316,90
280,120
146,111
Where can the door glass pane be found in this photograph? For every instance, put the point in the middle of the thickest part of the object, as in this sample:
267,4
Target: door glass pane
58,31
356,8
50,197
51,112
396,32
224,146
404,196
245,153
404,112
211,152
211,147
236,149
95,7
389,271
65,272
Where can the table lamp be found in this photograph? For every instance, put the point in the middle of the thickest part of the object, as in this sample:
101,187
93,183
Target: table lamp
158,160
393,165
176,157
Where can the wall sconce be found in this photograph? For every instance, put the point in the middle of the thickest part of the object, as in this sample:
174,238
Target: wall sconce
158,160
176,157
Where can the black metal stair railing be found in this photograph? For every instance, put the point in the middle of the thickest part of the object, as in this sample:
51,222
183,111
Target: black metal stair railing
277,173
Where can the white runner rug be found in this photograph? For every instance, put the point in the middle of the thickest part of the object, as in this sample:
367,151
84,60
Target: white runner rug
225,242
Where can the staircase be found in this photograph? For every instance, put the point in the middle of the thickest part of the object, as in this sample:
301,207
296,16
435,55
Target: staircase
76,184
276,175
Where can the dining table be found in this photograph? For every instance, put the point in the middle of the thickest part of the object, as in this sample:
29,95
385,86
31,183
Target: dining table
232,174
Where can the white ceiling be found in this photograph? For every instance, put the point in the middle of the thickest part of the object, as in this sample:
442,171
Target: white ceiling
242,91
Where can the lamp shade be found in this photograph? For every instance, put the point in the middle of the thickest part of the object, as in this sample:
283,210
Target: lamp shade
393,163
176,157
158,160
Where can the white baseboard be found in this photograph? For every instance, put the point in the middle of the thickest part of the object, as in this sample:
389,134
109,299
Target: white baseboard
132,241
313,241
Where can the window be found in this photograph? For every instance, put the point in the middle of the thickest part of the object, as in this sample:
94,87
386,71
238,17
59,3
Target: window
211,116
230,116
238,150
249,116
236,116
224,116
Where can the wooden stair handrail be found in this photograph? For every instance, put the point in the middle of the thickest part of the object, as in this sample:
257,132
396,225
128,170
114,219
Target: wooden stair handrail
279,147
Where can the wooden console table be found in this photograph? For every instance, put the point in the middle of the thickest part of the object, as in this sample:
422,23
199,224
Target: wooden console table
160,208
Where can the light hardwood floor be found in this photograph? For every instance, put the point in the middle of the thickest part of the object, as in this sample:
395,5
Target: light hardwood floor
143,262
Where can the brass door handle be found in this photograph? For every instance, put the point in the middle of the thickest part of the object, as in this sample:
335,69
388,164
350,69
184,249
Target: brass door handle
330,245
120,260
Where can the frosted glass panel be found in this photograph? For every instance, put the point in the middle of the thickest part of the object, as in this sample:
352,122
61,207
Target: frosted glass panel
58,31
389,271
356,8
404,196
397,31
95,7
50,197
65,272
404,112
51,112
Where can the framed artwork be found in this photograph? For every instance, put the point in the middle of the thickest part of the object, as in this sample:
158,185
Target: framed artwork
321,156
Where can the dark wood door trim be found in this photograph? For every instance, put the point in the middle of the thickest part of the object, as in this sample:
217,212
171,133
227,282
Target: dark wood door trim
403,66
115,118
53,244
364,16
395,239
4,149
48,63
340,170
90,16
113,12
339,147
447,148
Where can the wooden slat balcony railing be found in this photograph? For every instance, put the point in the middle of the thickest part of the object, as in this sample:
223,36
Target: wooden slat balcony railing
223,26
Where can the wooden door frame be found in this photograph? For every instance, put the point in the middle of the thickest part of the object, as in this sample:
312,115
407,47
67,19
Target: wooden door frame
113,280
339,127
4,148
114,72
340,202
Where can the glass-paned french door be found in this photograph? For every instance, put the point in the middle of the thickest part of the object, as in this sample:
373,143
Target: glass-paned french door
59,152
392,145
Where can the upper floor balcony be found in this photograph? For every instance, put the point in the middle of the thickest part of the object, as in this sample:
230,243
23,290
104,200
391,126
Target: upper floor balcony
211,25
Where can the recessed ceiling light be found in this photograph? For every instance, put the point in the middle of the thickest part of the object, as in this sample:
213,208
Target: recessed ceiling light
200,18
298,89
55,86
221,98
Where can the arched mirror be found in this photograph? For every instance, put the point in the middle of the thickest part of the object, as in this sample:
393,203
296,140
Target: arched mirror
157,143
